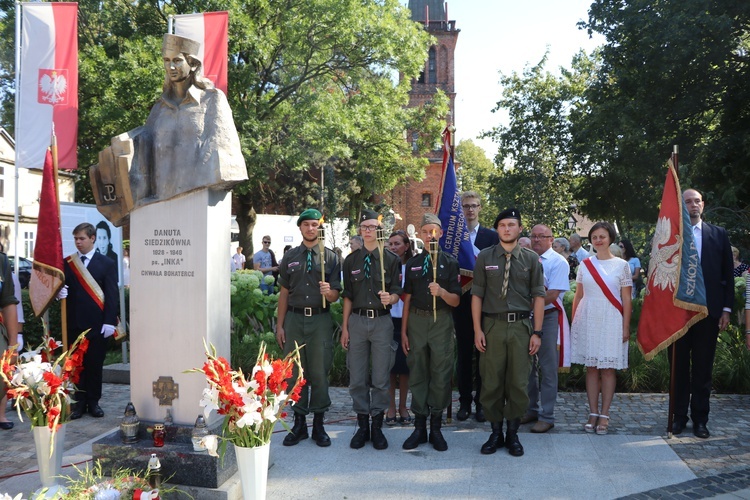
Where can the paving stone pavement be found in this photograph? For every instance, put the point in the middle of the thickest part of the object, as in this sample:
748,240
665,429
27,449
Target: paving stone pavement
721,463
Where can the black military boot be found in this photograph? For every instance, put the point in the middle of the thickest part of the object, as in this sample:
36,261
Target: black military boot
436,436
512,442
298,432
319,434
495,440
379,442
419,435
363,432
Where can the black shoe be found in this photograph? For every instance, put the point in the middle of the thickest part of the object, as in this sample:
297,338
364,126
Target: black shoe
479,414
511,440
6,426
463,412
678,426
495,440
75,414
298,432
700,430
363,432
95,411
319,434
419,435
436,435
379,442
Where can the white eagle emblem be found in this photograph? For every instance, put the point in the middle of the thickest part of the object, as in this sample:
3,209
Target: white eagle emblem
665,259
52,87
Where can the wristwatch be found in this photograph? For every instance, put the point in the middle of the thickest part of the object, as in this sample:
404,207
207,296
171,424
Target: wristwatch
538,332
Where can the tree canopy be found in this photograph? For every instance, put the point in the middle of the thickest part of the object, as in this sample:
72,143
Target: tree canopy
670,73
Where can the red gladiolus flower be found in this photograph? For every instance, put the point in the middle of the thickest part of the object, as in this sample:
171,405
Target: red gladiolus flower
53,381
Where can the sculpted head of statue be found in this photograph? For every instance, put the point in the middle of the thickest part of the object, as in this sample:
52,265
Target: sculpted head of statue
182,65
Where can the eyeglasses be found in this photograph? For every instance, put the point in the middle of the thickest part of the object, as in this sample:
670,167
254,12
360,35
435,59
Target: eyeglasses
470,207
540,236
266,242
368,228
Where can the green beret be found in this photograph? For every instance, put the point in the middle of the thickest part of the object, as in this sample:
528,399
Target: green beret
431,219
309,214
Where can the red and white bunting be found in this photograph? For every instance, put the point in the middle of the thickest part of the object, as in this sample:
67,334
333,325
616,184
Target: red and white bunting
211,29
48,84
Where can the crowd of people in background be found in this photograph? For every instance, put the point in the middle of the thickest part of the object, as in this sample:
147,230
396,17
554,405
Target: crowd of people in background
502,336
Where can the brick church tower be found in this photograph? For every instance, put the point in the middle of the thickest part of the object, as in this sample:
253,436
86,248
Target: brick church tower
413,199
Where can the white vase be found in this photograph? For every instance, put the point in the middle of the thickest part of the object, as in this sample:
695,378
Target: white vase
50,464
253,466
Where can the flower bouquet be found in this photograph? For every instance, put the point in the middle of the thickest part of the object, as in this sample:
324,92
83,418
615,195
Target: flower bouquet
250,405
42,383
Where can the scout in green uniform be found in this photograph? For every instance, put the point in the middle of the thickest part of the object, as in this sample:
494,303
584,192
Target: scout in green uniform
303,320
427,335
508,285
367,330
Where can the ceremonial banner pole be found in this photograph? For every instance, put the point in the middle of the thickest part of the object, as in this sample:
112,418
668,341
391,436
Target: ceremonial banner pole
322,250
670,417
63,302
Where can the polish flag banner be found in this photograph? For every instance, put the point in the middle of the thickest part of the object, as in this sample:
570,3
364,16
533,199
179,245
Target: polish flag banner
48,84
211,29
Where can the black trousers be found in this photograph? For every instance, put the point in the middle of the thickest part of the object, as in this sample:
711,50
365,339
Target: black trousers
90,384
694,363
467,372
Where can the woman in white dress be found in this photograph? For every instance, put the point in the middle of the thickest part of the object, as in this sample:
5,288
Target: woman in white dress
601,323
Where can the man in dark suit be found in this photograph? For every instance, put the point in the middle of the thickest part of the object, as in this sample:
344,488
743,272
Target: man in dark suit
696,349
92,304
467,371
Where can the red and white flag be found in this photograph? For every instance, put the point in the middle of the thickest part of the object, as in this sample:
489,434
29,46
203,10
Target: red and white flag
211,29
48,276
48,84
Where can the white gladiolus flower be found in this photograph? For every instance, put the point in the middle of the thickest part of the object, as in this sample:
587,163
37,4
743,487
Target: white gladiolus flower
211,444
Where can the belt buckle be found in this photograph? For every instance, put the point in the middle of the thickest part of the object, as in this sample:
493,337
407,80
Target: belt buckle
370,313
511,317
308,311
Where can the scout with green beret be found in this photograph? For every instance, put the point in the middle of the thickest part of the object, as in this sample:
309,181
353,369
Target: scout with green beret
427,334
303,320
508,285
367,330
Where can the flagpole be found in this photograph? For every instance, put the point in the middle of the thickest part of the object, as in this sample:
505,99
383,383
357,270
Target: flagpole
670,418
451,144
15,134
63,302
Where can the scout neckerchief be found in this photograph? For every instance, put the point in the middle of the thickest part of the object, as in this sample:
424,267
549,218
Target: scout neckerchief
89,284
594,268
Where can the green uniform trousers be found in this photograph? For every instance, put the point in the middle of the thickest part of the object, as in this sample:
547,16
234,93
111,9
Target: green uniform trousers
505,368
430,362
316,333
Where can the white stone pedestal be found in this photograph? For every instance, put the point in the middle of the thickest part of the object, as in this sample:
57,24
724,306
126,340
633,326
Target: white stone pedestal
179,295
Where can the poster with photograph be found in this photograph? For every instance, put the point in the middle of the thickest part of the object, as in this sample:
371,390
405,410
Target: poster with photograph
108,237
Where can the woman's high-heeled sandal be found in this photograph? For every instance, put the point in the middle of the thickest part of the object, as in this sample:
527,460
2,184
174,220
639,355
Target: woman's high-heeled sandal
602,430
588,427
